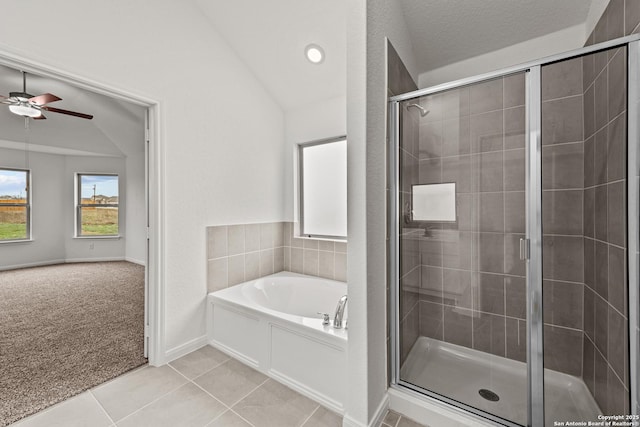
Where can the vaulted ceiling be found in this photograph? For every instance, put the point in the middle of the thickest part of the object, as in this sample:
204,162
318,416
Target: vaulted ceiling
444,32
270,37
117,128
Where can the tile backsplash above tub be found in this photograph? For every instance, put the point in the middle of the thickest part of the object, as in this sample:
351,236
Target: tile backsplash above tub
242,252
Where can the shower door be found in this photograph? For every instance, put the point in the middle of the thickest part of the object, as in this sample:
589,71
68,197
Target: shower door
510,239
462,300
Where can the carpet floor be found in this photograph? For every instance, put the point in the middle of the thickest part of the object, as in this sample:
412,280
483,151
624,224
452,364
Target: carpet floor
66,328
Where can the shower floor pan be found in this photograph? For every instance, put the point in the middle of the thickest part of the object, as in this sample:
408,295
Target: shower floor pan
461,373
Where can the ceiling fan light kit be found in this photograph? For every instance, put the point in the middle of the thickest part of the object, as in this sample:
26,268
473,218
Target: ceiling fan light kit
25,110
26,105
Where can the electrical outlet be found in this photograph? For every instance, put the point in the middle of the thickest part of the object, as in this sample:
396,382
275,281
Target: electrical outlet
90,245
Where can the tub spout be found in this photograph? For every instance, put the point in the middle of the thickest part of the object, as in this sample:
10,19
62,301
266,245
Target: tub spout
337,319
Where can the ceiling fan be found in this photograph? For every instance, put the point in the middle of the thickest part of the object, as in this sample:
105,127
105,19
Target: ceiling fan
26,105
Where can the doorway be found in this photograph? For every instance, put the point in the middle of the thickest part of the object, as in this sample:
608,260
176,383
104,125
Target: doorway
151,210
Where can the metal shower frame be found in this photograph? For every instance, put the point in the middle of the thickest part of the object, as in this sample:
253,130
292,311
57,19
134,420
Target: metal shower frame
533,192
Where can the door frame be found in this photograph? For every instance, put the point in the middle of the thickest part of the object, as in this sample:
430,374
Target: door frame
154,203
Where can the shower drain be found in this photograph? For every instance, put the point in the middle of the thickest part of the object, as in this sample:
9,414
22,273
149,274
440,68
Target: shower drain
489,395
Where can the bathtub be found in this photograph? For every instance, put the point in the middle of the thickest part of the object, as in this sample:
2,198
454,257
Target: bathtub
272,325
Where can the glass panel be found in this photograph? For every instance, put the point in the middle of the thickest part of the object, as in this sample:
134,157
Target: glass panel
13,186
584,237
13,222
462,299
13,190
324,189
99,221
98,189
633,149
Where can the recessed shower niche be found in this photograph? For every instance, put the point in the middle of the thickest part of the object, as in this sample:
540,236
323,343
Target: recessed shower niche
511,297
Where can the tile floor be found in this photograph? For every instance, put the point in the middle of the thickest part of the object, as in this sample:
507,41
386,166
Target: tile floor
203,388
393,419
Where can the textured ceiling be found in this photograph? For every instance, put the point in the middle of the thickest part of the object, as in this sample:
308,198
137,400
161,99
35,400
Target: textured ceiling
117,128
270,37
444,32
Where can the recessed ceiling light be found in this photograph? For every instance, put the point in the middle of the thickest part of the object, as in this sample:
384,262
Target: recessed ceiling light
314,53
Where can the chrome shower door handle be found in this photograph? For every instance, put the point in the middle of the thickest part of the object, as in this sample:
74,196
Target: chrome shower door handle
524,249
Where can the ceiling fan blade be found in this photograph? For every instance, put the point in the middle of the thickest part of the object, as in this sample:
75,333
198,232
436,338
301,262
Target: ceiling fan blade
5,100
69,113
40,117
45,98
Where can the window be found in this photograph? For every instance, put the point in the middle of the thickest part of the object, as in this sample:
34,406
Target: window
15,205
323,188
97,205
434,202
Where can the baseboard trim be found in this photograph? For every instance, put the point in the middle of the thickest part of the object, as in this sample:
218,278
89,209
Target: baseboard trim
32,264
69,261
135,261
102,259
378,416
381,411
184,349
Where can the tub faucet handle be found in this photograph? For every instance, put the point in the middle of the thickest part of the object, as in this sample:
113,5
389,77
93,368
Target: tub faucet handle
325,318
337,319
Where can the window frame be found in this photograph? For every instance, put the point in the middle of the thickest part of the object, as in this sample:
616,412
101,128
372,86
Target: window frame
26,205
300,182
80,205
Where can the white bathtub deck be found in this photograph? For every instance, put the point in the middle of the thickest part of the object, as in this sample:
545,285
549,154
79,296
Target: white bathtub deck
246,322
458,373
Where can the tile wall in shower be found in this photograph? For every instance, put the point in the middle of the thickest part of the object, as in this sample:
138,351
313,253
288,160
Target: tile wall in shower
242,252
469,279
410,268
400,81
605,338
562,220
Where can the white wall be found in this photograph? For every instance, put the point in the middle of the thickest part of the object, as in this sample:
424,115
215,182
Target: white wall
311,122
53,201
530,50
223,159
47,180
369,24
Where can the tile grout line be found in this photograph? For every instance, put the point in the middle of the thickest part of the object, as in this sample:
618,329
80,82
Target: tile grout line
242,418
101,407
155,400
202,374
310,415
227,407
247,395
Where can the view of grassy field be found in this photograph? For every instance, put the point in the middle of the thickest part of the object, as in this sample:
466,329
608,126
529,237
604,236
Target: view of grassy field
99,221
13,220
12,231
96,221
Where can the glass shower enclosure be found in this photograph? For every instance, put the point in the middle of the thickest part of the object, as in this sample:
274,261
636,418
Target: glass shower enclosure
514,239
